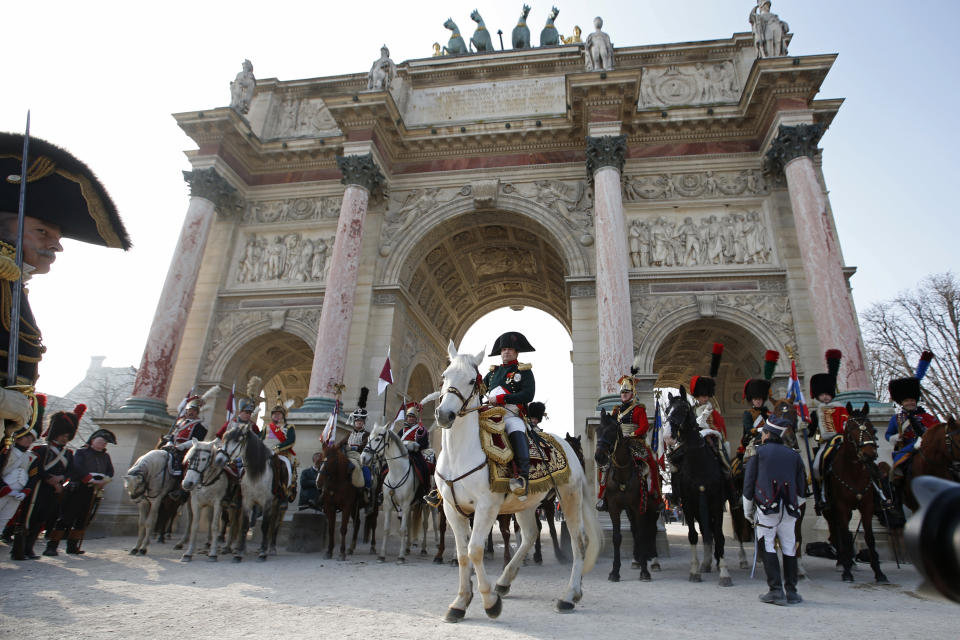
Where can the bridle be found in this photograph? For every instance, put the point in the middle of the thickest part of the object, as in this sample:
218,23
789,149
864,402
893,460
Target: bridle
233,454
140,493
476,386
862,439
611,448
194,465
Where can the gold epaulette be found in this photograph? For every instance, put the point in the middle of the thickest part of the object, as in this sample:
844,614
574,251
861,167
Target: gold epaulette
524,366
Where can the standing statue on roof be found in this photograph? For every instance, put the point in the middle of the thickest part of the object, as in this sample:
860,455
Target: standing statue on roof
521,32
241,89
770,33
382,72
598,48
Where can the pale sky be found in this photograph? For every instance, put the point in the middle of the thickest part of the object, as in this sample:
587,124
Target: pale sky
102,79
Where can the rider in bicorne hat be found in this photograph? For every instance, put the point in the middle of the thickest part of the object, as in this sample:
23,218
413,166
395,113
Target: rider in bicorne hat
54,460
92,469
756,391
908,425
511,384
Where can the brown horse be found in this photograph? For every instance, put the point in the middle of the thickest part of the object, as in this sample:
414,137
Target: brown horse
337,493
938,455
850,477
626,491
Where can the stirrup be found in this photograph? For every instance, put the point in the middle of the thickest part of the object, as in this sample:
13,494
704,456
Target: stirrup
519,491
433,498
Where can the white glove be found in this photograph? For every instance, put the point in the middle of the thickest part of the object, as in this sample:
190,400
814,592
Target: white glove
894,439
17,495
749,508
15,406
412,447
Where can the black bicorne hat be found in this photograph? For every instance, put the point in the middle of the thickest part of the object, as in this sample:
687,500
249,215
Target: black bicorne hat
106,434
511,340
61,190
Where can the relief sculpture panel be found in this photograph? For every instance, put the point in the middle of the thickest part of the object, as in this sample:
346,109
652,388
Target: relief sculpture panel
301,118
292,210
700,184
689,84
735,238
283,258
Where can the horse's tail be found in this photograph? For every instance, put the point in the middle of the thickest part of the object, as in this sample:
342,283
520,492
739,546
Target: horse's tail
591,529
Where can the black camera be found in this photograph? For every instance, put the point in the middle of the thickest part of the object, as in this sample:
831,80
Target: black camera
933,534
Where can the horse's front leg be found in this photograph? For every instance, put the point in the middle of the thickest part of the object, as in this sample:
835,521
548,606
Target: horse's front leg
357,519
404,533
718,548
483,519
239,535
344,528
425,523
330,510
461,535
152,514
690,517
871,546
186,532
528,528
217,509
385,533
614,575
442,535
268,520
191,533
143,512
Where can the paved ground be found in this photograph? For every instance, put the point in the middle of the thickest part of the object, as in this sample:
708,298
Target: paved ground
108,593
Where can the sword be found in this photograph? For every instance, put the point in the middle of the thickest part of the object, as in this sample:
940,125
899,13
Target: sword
756,545
13,348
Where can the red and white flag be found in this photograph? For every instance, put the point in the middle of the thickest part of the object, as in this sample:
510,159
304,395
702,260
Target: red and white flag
386,376
230,404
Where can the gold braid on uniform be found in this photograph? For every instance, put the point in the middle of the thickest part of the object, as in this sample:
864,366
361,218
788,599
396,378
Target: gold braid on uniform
28,333
8,264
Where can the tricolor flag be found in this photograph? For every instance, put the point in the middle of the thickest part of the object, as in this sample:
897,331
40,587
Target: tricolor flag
794,389
386,376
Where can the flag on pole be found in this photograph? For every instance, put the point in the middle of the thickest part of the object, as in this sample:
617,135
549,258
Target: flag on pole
386,376
330,430
230,403
657,443
794,389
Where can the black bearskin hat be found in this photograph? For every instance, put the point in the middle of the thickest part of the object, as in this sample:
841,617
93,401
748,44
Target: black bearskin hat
511,340
909,388
63,422
702,385
827,382
360,413
756,388
536,410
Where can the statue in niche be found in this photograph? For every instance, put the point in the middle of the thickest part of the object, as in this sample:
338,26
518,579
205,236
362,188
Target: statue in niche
769,31
599,49
241,89
382,72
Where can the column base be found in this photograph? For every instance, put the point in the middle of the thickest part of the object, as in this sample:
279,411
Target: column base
858,397
151,406
316,405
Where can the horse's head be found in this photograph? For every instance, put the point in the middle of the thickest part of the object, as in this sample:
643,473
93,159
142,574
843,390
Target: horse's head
475,16
786,409
525,12
608,435
135,483
679,415
450,24
461,386
196,461
376,445
577,445
233,441
860,432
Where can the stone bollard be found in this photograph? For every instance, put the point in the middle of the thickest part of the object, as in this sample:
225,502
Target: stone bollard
307,533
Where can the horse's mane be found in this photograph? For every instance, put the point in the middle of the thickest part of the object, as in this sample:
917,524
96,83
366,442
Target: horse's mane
147,460
333,456
255,452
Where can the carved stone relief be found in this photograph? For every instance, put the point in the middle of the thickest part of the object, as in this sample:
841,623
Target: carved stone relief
404,207
700,184
293,210
736,238
290,257
571,202
227,325
301,118
689,84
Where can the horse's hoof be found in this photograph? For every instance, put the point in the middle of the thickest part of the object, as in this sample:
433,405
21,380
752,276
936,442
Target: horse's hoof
612,577
744,564
342,557
565,607
454,615
401,561
577,596
186,558
635,565
494,611
705,568
273,551
143,552
134,552
237,559
502,589
645,576
882,579
328,555
178,546
211,558
655,566
454,563
695,577
726,582
438,560
262,557
847,576
380,559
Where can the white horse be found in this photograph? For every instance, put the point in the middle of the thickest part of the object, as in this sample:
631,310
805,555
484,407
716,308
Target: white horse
256,487
207,484
399,488
147,482
463,480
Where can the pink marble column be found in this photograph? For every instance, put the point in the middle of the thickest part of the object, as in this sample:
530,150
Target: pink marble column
207,189
362,177
605,157
830,301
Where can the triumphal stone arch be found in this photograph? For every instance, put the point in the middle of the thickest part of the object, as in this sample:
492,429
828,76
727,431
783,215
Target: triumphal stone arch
671,200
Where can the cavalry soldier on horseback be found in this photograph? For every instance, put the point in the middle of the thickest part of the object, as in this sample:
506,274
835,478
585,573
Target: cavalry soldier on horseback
755,392
357,441
828,419
92,469
416,439
632,416
775,481
907,426
54,461
713,427
181,434
244,417
511,384
281,437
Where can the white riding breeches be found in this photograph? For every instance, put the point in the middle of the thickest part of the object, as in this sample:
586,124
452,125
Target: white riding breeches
778,525
512,422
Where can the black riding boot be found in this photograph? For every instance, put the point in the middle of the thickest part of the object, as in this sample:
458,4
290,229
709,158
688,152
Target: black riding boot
521,455
771,565
53,541
790,575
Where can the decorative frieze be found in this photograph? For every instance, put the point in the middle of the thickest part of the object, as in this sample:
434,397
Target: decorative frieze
292,210
694,185
689,84
737,238
285,258
300,118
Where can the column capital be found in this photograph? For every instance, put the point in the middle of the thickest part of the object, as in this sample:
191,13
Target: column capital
362,171
210,185
792,142
606,151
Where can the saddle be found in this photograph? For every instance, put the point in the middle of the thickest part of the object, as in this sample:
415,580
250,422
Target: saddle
548,462
281,477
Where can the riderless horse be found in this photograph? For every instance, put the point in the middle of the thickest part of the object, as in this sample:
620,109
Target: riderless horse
481,41
147,482
456,44
257,487
701,488
626,491
337,493
521,33
851,476
207,485
466,491
549,35
401,486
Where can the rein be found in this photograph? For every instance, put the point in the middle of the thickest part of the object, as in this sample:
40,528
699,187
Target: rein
453,492
477,383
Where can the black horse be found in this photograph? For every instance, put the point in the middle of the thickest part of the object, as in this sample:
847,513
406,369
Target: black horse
701,487
626,491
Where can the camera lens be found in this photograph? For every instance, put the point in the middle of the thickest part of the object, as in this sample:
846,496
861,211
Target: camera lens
933,534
